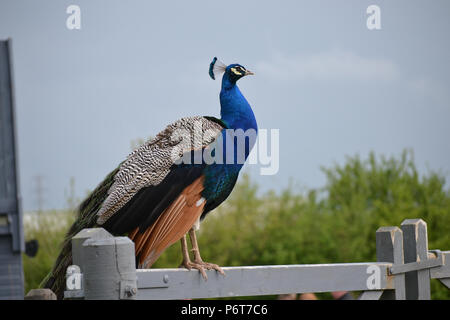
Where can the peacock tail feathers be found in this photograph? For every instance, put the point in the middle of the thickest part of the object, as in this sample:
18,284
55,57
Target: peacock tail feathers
86,218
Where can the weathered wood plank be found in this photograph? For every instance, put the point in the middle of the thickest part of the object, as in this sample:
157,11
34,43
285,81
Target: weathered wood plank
371,295
109,270
444,270
262,280
415,246
390,249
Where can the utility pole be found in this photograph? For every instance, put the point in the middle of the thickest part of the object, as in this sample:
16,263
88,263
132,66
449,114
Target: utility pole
39,192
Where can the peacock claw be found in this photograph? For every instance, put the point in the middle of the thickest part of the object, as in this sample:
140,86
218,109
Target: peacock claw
213,266
201,266
193,265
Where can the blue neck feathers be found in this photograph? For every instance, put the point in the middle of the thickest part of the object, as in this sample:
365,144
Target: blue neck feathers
237,114
235,109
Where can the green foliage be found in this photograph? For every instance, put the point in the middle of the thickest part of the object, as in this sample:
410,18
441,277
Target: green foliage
334,224
49,228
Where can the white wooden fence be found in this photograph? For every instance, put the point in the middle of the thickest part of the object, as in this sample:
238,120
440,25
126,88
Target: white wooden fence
104,268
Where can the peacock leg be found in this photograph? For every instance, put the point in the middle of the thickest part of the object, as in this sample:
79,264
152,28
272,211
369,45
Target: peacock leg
184,250
198,259
187,263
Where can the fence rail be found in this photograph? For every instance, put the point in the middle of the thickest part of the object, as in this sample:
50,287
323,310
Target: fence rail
259,280
104,268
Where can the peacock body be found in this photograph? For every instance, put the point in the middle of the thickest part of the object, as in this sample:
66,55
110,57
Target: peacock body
155,198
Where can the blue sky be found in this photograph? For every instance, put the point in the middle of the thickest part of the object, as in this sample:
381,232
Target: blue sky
331,86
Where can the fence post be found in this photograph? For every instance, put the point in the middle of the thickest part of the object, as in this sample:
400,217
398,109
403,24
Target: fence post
389,242
415,246
80,238
11,229
107,264
40,294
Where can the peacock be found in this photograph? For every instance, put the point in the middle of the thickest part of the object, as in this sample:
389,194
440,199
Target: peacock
165,187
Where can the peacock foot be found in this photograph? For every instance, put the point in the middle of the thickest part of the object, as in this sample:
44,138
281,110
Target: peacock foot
211,266
201,266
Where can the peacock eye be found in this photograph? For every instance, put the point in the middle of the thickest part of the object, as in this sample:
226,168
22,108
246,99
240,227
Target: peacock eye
236,71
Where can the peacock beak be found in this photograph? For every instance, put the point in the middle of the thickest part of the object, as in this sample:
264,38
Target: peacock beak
248,73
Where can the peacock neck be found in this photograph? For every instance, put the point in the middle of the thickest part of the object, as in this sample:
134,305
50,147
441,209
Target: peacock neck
235,111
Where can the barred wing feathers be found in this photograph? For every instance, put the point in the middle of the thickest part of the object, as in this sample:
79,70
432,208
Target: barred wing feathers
151,163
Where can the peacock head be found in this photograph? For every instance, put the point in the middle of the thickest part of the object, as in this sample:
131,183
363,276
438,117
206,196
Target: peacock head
234,71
